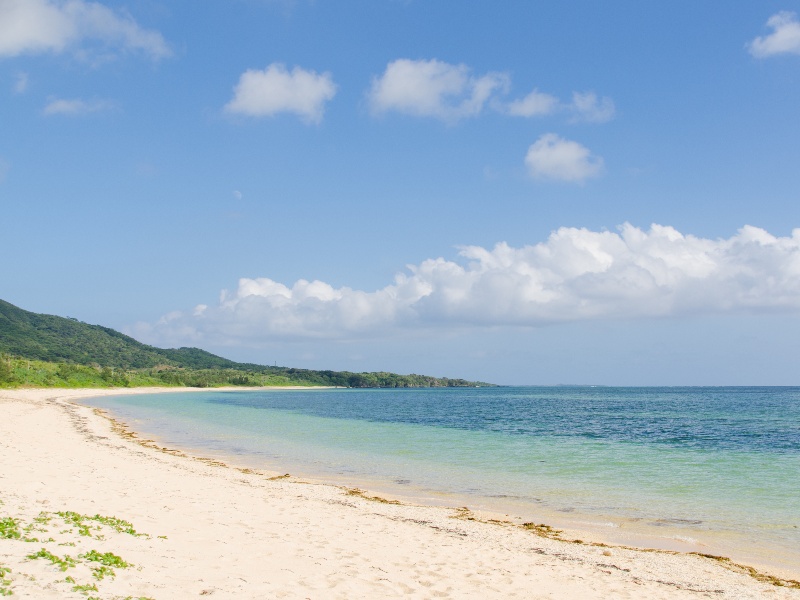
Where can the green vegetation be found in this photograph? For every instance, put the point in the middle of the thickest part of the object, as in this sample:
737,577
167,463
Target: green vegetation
80,521
36,373
9,529
83,529
50,351
102,572
108,559
57,339
87,587
62,563
5,584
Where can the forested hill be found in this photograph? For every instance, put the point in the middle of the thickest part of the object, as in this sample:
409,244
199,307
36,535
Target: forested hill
59,339
54,339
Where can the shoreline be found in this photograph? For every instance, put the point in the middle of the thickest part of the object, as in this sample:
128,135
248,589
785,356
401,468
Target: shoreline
663,530
292,537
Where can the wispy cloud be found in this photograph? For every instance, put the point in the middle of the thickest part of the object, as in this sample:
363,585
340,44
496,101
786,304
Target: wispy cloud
591,109
76,107
39,26
534,104
21,83
552,157
784,39
276,90
432,88
585,107
576,274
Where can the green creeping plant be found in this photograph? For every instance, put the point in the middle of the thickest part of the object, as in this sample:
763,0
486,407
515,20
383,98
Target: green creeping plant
88,587
9,529
63,563
109,559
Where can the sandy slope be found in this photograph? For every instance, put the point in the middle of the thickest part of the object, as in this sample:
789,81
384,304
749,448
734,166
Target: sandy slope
230,533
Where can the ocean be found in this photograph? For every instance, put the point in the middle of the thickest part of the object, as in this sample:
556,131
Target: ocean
707,469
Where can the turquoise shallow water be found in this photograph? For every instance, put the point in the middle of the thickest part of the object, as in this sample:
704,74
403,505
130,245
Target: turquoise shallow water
718,467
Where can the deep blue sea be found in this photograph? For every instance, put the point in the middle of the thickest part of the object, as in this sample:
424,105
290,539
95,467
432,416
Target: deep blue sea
711,468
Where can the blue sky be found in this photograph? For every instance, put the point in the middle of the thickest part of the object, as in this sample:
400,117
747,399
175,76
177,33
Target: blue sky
519,192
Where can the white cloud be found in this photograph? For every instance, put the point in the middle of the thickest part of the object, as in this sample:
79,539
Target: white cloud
275,90
588,107
574,275
784,39
431,88
38,26
534,104
552,157
75,107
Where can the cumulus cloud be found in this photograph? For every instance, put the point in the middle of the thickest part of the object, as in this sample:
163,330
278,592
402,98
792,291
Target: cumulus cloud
534,104
432,88
784,39
275,90
576,274
589,108
552,157
38,26
75,107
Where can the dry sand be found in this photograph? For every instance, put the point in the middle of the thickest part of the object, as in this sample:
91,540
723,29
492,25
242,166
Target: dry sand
219,531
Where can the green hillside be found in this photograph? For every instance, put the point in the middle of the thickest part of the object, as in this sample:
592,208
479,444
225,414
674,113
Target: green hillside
68,352
58,339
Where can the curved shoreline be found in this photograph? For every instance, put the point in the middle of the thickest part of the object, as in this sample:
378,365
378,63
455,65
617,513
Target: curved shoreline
360,547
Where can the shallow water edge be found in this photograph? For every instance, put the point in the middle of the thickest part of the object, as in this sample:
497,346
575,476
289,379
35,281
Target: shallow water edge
430,464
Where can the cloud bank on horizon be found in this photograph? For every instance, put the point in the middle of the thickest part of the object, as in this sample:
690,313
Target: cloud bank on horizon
575,275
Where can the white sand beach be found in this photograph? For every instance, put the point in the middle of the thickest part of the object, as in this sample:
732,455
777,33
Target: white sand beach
203,528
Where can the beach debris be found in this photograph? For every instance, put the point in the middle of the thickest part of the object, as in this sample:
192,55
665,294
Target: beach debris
363,494
544,530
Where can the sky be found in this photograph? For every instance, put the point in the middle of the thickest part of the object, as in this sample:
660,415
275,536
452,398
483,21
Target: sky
526,192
